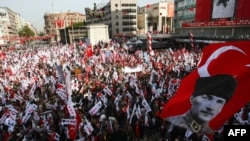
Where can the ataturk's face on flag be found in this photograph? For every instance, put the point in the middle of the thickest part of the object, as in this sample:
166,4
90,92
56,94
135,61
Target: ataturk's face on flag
206,107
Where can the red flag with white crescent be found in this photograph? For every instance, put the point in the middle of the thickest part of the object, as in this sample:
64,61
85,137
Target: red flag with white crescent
231,58
89,51
72,131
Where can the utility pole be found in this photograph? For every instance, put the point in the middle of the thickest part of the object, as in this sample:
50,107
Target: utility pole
73,40
66,42
52,7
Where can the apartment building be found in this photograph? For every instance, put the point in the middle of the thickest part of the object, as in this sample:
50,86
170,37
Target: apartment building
119,15
10,23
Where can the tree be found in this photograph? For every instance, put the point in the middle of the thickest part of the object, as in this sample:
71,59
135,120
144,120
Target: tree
26,32
41,34
78,24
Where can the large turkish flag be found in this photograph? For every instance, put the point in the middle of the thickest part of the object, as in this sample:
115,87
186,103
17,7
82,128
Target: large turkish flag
231,58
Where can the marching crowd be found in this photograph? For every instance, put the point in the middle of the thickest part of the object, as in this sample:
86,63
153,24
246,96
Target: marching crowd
99,93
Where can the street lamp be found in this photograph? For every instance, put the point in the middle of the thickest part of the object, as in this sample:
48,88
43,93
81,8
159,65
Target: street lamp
72,31
66,42
147,17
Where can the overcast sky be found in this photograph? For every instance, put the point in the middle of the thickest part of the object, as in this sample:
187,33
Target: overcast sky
34,10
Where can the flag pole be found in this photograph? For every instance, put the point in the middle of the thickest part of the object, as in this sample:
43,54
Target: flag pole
65,33
52,6
72,31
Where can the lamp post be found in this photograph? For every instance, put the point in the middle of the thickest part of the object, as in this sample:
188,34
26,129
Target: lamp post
72,31
66,42
147,18
129,23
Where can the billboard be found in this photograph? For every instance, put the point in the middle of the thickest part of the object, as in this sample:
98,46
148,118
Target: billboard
171,9
220,13
242,10
220,22
223,9
201,14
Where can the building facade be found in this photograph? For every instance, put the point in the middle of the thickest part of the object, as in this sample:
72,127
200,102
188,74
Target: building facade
156,17
10,24
126,18
68,35
119,15
221,20
54,22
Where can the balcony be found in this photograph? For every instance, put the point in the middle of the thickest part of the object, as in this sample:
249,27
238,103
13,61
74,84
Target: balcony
190,16
178,0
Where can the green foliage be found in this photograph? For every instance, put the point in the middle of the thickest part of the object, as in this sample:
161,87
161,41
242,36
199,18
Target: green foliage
41,34
26,32
78,24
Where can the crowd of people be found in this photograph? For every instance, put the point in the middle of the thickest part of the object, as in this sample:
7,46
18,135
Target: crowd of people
94,93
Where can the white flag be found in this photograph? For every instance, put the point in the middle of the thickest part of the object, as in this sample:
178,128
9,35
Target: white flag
146,105
138,112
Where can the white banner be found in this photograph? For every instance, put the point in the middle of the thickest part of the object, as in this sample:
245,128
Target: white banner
66,121
68,83
71,109
88,128
126,69
61,93
60,73
31,94
96,108
104,100
138,112
107,91
2,119
25,118
133,113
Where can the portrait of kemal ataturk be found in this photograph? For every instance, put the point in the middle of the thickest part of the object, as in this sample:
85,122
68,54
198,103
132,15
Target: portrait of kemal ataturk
209,96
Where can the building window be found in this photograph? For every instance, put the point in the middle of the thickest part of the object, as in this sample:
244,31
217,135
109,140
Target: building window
125,23
129,29
125,29
129,5
129,10
117,23
129,17
116,5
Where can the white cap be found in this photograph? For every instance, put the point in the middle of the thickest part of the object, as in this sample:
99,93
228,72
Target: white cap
102,117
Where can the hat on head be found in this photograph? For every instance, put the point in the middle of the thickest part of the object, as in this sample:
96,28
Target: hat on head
221,85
